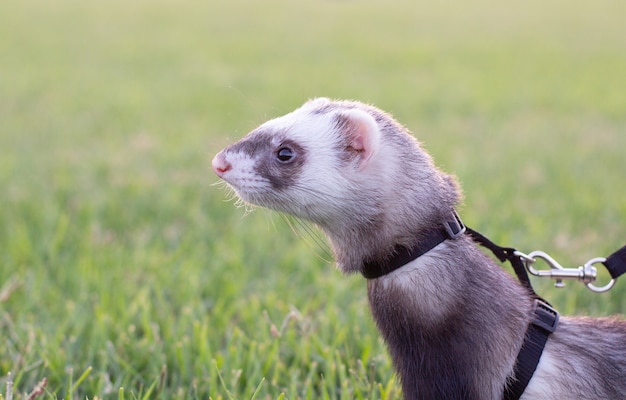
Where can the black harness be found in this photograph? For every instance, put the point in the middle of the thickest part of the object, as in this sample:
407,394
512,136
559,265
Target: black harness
545,318
451,228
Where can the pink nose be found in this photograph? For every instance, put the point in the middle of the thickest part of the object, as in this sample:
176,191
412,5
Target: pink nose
220,165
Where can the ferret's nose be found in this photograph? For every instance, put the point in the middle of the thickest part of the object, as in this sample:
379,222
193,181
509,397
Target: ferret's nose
220,165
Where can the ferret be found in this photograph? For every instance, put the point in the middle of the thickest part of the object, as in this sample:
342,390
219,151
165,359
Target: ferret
452,319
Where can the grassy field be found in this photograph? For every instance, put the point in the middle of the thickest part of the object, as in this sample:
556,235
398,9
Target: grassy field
124,274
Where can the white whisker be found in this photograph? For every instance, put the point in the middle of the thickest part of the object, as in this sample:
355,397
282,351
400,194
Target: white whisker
298,226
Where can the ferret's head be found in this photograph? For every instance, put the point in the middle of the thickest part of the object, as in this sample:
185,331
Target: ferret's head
346,166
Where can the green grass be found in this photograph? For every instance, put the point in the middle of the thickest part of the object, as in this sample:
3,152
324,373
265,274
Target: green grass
125,275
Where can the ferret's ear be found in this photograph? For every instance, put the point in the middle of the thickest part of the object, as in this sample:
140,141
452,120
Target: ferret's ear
317,102
361,133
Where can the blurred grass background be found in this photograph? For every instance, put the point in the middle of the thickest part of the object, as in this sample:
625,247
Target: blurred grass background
116,253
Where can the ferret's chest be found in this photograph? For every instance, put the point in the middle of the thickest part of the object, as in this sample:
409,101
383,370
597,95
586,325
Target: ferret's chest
423,289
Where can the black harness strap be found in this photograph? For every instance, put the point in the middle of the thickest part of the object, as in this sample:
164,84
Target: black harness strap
545,321
505,254
451,228
403,256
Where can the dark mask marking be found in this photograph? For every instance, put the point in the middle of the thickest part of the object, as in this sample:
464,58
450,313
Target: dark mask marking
281,175
262,146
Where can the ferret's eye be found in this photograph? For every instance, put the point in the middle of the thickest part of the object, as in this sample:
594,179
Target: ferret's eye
285,154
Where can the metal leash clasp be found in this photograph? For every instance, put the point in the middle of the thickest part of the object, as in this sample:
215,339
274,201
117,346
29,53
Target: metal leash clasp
586,273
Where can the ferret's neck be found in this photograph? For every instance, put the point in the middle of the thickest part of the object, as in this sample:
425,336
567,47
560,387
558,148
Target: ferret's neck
413,198
375,238
354,247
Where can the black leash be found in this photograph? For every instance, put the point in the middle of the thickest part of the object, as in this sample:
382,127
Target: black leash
616,263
